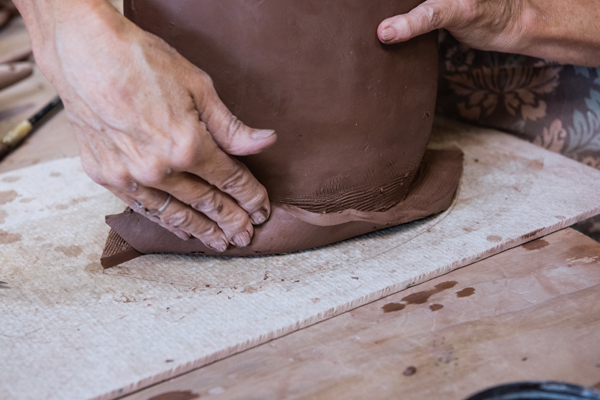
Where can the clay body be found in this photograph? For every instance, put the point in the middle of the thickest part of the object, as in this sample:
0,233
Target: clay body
353,116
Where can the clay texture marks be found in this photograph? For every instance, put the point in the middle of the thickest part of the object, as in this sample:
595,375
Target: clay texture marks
353,116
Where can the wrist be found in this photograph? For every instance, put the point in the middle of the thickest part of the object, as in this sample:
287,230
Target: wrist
47,20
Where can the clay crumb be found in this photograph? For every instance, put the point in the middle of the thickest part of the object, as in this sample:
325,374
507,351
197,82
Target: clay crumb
410,371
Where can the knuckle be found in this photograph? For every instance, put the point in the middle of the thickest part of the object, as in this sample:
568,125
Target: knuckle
183,219
205,78
94,174
238,180
119,178
185,154
433,17
153,174
234,126
209,202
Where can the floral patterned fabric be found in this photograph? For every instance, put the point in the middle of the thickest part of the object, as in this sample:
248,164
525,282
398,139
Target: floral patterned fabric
554,106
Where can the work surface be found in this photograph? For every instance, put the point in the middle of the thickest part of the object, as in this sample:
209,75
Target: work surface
162,315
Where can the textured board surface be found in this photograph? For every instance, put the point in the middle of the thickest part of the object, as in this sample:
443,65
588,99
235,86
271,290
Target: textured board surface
71,330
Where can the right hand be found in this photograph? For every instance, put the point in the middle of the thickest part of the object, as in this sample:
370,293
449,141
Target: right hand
149,124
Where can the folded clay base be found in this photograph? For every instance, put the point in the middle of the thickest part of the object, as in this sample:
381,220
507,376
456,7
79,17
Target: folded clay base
292,229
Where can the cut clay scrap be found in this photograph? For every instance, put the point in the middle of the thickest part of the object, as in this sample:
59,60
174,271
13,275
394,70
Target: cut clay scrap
353,118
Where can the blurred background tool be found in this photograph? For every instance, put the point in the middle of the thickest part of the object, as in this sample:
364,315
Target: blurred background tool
22,130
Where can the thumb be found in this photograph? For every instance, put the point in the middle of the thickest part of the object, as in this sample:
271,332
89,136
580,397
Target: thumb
429,16
231,134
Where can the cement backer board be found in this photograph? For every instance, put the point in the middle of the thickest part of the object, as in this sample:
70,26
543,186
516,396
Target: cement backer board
71,330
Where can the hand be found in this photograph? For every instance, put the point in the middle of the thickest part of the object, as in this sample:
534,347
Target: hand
150,124
564,31
481,24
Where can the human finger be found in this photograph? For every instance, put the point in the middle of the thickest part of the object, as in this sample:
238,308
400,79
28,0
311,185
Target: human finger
135,207
426,17
231,134
213,203
175,215
203,158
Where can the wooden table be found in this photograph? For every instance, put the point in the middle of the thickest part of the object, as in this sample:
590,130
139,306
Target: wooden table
530,313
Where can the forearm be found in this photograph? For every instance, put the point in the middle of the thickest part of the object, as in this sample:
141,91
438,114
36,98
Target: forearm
44,17
564,31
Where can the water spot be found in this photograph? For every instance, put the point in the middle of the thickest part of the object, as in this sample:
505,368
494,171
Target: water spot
7,238
494,239
10,179
178,395
423,297
7,196
466,292
55,174
524,359
69,251
436,307
536,245
410,371
392,307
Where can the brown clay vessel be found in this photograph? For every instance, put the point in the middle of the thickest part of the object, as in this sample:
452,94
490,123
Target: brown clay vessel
353,116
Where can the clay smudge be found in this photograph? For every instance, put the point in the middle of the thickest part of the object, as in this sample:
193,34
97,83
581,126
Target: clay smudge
536,245
250,289
466,292
423,297
7,238
3,215
10,179
69,251
436,307
410,371
178,395
392,307
55,174
26,200
494,238
7,196
530,234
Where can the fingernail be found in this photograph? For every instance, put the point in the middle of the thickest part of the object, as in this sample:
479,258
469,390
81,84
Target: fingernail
241,239
388,34
182,235
261,134
219,245
259,216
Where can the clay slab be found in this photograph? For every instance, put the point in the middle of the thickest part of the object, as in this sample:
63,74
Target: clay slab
71,330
